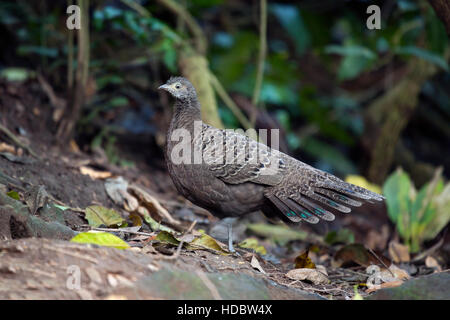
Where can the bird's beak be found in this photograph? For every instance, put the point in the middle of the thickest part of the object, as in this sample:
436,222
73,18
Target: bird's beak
164,87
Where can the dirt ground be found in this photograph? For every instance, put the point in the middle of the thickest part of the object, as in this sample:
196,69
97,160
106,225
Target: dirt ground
36,268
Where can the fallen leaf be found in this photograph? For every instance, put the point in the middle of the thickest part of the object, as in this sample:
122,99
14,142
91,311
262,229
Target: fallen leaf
399,252
116,188
204,241
95,174
207,242
282,234
100,238
152,204
357,295
167,237
98,215
4,147
313,275
431,262
255,264
154,225
135,218
74,146
358,254
303,261
399,273
13,194
391,284
252,243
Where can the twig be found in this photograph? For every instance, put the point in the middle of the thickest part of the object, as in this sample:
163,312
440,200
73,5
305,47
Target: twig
261,56
200,39
118,230
429,251
137,7
177,253
229,102
17,141
378,258
70,57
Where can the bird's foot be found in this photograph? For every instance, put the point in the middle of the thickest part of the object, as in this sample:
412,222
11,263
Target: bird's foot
232,250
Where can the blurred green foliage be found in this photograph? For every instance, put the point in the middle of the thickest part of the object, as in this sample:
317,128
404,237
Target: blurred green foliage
418,215
315,57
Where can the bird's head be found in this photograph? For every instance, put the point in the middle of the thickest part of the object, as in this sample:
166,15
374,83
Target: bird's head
180,88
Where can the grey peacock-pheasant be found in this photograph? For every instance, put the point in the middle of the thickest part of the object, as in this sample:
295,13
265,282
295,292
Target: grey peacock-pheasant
238,175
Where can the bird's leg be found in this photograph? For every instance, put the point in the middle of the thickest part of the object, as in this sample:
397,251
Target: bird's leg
230,238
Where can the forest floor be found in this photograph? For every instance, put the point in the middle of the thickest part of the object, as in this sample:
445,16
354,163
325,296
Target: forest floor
36,258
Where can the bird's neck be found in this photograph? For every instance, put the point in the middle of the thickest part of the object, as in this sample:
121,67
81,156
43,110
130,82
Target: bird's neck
185,113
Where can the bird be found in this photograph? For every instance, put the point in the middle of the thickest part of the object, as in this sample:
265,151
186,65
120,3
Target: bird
234,175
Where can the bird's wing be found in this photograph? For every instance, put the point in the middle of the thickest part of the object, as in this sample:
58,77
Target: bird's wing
307,193
235,158
298,190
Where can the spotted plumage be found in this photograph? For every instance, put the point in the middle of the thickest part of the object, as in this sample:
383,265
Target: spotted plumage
238,175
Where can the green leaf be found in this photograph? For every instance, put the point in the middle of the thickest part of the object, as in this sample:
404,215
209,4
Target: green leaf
98,215
42,51
281,234
204,241
423,54
207,242
63,208
351,50
291,19
100,238
397,190
13,194
167,237
441,204
252,243
15,74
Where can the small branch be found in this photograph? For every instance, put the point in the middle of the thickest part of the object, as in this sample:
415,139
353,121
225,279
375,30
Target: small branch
70,58
229,102
261,56
17,141
177,9
137,7
118,230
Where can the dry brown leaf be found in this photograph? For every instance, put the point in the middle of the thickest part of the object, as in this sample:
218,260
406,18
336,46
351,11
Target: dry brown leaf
391,284
255,264
358,254
95,174
4,147
74,146
399,252
116,188
431,262
313,275
303,261
152,204
399,273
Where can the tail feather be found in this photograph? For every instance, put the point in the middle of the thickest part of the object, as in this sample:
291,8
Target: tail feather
284,209
338,197
301,211
314,208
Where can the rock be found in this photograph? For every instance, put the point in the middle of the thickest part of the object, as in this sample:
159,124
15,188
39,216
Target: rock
431,287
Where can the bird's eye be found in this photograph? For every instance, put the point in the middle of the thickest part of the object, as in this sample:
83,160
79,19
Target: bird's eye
177,86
